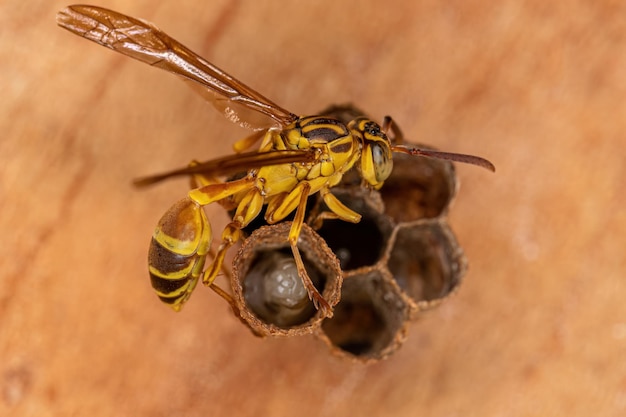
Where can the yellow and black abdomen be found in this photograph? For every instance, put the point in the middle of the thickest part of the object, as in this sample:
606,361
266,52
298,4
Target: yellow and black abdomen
178,251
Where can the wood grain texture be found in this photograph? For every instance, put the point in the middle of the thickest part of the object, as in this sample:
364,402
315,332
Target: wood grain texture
539,326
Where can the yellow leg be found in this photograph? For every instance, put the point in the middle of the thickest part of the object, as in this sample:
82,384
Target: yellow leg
273,202
337,210
341,210
249,207
271,141
226,296
282,205
247,142
230,236
218,191
219,291
296,227
200,180
318,221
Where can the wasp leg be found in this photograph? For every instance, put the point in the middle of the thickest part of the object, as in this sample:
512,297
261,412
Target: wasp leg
200,180
218,191
226,296
270,141
247,142
298,197
219,291
337,210
248,209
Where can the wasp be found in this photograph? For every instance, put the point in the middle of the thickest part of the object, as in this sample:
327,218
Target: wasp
295,157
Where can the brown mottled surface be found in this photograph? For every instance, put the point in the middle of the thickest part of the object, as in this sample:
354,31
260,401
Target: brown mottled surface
539,326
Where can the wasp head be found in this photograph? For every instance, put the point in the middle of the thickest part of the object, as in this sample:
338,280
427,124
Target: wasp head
376,156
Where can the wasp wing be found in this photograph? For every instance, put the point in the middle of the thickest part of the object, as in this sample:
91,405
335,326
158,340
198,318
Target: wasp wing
233,164
147,43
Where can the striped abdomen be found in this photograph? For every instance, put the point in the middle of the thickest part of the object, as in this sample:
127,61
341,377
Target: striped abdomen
178,252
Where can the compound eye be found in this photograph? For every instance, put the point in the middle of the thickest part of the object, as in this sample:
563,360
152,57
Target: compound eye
382,161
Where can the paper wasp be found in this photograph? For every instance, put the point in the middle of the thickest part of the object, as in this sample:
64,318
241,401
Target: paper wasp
296,157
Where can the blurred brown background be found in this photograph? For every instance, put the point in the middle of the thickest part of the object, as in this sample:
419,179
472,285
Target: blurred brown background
539,325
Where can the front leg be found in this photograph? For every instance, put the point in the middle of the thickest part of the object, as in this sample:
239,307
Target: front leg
338,210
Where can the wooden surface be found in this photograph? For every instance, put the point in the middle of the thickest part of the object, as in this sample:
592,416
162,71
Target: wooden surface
539,325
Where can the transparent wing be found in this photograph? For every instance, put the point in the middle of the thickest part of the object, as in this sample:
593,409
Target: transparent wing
233,164
143,41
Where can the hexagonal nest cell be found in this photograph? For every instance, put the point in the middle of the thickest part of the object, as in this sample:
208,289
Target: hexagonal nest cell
370,321
267,288
379,274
